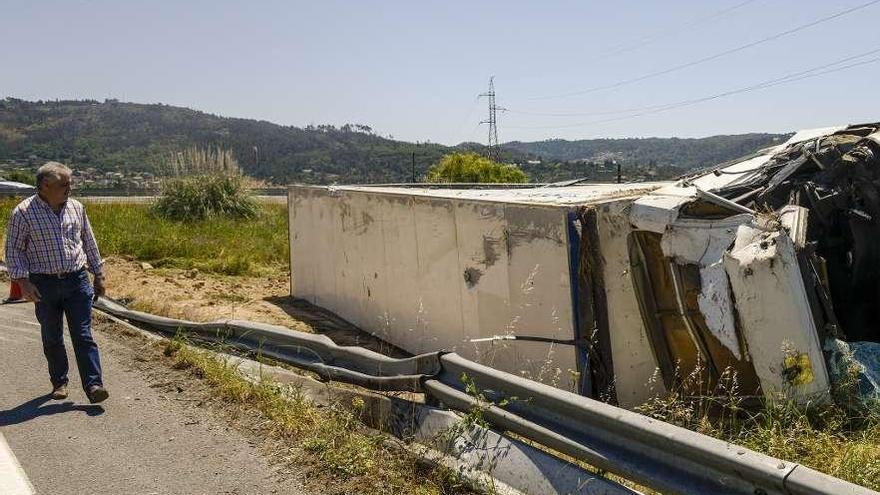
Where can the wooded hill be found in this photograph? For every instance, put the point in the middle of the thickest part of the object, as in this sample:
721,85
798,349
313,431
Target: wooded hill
678,152
113,135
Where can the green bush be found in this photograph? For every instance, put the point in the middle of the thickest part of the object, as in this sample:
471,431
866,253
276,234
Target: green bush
204,183
21,176
205,196
471,167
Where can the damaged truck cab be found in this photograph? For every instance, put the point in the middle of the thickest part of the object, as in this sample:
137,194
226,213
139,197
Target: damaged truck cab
765,266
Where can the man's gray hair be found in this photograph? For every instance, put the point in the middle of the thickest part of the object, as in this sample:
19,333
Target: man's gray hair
53,171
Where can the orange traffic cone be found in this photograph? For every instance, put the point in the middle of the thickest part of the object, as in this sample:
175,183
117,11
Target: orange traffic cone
14,294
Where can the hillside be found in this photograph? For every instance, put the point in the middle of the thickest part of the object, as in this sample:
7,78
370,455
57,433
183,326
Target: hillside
119,136
681,153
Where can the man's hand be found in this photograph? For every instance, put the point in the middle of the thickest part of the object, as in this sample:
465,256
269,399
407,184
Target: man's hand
28,290
100,290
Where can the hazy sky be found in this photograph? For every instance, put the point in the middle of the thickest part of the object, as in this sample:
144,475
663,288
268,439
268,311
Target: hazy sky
414,69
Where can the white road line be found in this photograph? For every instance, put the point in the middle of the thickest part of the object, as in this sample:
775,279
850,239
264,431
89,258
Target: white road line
13,481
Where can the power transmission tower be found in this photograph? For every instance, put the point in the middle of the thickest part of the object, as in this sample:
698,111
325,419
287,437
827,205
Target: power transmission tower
494,149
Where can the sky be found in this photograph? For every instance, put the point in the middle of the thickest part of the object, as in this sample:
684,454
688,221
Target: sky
413,70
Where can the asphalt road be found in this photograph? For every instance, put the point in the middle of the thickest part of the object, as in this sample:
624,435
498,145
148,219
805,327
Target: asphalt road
138,442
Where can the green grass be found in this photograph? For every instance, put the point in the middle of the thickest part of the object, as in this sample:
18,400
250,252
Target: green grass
226,246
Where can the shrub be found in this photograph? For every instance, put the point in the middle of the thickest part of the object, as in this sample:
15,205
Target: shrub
21,176
205,196
471,167
204,183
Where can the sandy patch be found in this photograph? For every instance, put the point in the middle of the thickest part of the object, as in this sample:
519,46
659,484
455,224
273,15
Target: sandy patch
198,296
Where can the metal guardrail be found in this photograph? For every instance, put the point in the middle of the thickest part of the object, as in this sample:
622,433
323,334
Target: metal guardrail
651,453
316,353
647,451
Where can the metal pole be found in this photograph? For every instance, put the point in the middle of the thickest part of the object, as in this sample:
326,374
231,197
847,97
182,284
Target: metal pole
414,167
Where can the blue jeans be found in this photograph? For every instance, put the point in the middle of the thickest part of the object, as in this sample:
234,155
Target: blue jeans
72,297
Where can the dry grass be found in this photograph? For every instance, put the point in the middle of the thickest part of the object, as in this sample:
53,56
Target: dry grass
341,454
840,440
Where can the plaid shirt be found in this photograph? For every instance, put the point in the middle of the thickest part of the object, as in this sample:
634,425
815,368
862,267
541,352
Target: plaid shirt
38,240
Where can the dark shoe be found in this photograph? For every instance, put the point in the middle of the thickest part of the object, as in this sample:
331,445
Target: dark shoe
97,393
59,392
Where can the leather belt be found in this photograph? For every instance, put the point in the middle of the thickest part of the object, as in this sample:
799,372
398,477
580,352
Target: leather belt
59,276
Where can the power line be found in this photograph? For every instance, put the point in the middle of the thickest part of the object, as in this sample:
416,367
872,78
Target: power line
797,76
460,128
646,40
686,103
654,107
632,45
704,99
715,56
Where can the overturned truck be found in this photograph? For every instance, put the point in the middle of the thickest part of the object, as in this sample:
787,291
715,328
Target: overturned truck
766,267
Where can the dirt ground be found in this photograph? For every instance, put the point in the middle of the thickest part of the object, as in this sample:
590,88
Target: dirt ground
198,296
193,295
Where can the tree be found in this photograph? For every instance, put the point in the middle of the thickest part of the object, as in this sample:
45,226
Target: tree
471,167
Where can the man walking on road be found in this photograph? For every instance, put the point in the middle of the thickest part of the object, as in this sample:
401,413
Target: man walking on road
49,243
